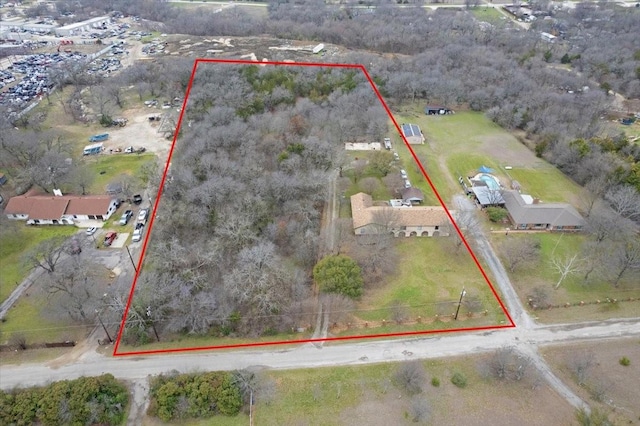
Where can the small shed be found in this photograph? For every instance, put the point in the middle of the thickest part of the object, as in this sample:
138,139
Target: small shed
413,134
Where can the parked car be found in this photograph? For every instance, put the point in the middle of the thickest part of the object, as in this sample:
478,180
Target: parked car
403,174
137,235
124,219
110,238
142,215
137,199
139,225
407,184
92,230
129,150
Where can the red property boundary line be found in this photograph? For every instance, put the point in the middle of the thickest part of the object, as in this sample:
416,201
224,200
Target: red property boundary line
360,67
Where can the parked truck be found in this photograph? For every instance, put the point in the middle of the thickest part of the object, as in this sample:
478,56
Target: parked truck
99,138
96,148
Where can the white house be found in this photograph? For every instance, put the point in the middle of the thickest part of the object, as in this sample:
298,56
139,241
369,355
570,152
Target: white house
60,210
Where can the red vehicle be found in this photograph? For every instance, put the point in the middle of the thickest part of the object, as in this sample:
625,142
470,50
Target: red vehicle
110,238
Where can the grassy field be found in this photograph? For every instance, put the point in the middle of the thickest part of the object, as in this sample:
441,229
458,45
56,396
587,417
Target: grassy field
429,282
488,14
459,144
15,242
256,9
543,182
618,383
573,289
29,318
370,395
109,167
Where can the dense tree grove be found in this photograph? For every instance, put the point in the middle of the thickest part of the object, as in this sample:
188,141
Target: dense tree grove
84,401
194,396
240,214
449,57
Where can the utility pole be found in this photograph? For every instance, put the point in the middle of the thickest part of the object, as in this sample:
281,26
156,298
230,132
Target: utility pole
103,327
462,293
130,257
251,408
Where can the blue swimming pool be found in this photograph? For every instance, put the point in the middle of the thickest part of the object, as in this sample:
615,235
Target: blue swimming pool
491,181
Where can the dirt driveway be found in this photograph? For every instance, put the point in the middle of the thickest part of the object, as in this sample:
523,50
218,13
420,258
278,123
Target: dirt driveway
140,132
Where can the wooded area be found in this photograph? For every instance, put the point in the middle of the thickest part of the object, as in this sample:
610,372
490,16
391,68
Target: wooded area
239,221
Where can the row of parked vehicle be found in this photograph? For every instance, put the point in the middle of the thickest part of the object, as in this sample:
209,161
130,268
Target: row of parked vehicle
33,73
104,66
141,221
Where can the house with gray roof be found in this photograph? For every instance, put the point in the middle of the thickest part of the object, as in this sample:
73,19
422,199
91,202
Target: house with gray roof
413,134
541,216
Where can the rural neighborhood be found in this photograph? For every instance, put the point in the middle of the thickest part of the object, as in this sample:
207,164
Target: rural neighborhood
293,212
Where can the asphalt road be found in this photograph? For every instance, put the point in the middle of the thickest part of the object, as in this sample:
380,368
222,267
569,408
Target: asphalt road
308,355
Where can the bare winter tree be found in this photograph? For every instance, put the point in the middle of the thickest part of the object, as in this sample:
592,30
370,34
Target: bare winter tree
46,254
518,252
580,365
255,386
74,285
566,266
369,185
624,259
507,364
625,200
539,298
468,223
337,307
410,376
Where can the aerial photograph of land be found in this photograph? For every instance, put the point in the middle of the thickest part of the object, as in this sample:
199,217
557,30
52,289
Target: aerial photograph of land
318,212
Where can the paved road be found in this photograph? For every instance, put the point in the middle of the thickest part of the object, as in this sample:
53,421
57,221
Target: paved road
308,355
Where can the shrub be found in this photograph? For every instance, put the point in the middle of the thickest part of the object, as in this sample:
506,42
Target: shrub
419,410
435,382
625,361
410,376
459,380
339,274
496,214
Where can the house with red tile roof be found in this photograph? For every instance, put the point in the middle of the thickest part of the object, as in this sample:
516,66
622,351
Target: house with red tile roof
60,210
405,220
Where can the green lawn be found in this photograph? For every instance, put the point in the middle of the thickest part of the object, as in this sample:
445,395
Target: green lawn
459,144
547,183
29,318
573,288
488,14
429,280
14,243
466,164
108,167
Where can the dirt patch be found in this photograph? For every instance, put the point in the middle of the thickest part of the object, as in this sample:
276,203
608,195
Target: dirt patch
518,155
386,410
140,133
617,383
